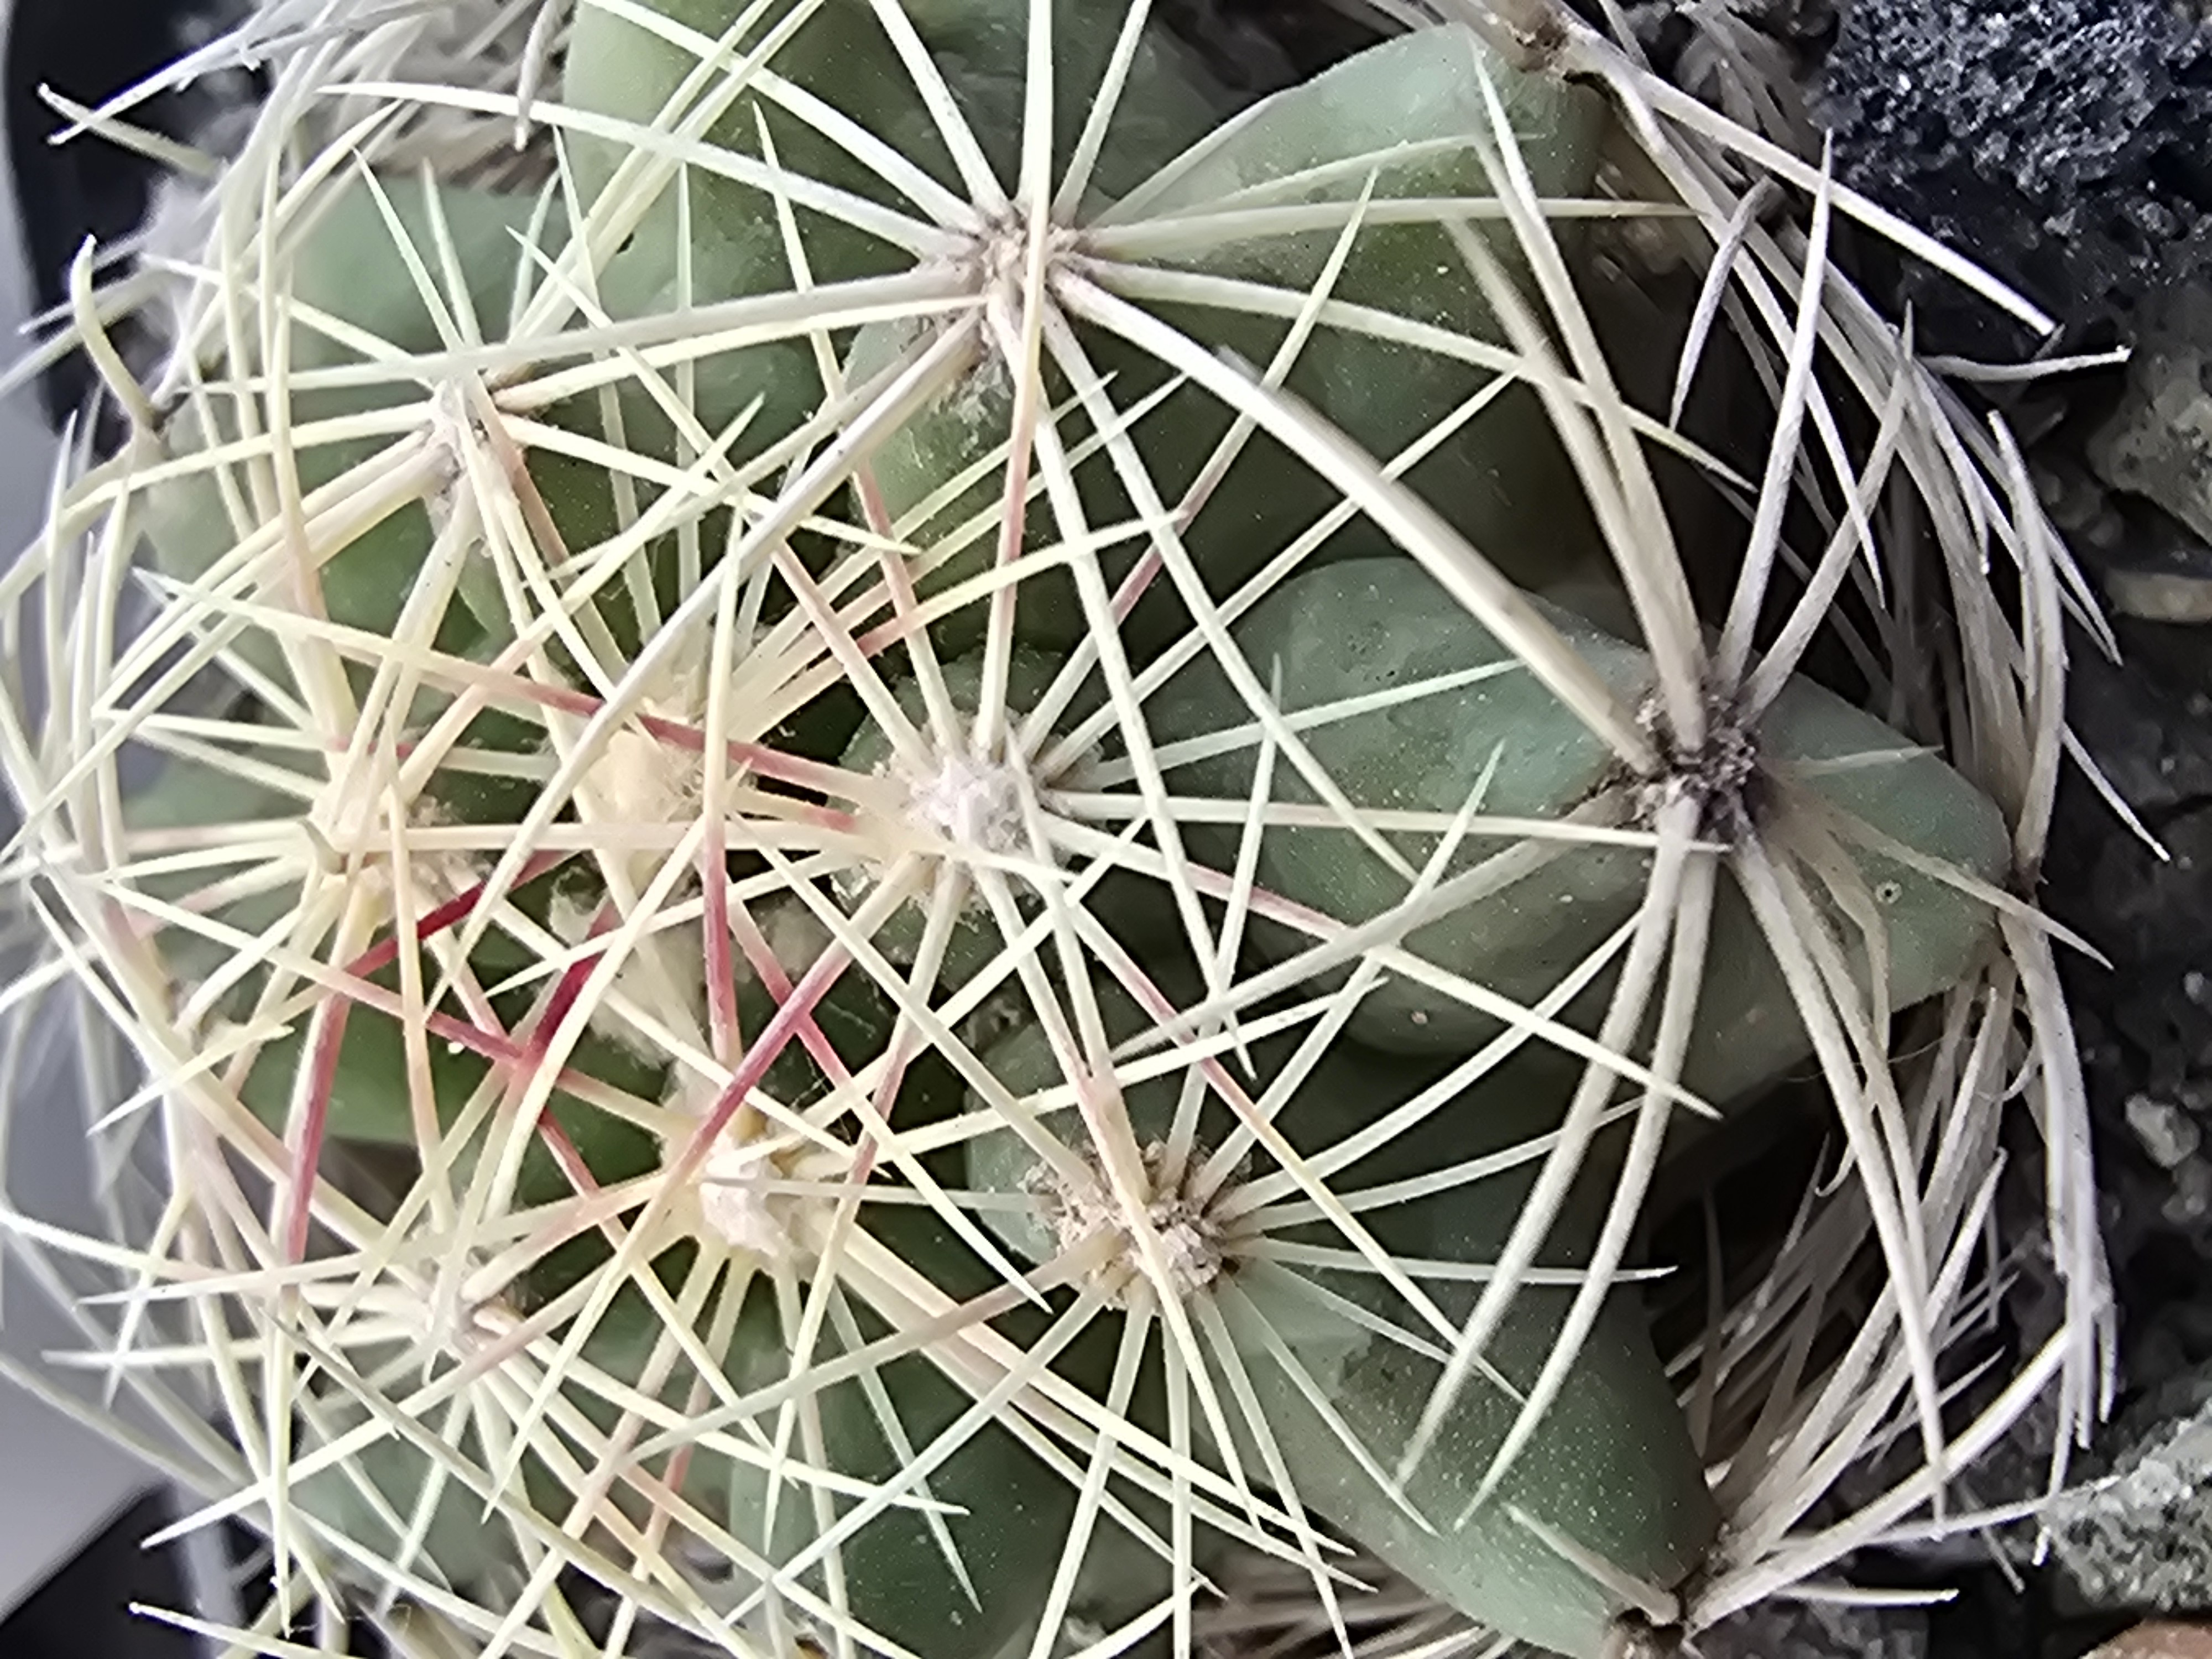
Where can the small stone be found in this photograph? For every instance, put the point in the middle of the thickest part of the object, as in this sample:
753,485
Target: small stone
2169,1135
2039,134
2149,908
2160,1640
2158,442
2192,1193
2152,745
2159,596
2142,1537
2076,501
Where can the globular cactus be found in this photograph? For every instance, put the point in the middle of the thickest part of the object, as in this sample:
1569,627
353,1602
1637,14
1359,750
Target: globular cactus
942,835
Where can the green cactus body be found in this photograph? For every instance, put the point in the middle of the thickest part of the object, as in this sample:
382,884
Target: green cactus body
1748,1030
1359,629
1404,116
457,1548
1008,1511
348,266
1005,1514
759,616
1170,101
369,1103
1412,109
1612,1468
840,54
1138,909
617,68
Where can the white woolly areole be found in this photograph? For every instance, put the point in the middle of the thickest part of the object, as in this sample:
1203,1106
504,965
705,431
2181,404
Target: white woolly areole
645,987
638,779
448,440
971,802
1188,1237
795,936
733,1204
731,1183
336,826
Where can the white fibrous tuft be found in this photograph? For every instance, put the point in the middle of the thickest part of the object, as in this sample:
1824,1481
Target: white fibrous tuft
638,779
434,877
971,802
733,1202
448,440
1189,1238
732,1184
795,937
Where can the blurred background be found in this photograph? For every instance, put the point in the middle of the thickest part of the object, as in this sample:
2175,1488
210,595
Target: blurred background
73,1507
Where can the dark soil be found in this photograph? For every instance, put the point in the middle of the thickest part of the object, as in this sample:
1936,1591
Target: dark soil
2061,141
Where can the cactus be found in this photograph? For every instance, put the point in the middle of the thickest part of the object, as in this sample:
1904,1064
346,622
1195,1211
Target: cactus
1363,627
1330,1385
942,837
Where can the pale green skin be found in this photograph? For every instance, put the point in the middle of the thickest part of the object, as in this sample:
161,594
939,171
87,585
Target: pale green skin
460,1548
1137,908
616,68
900,1586
1357,628
1504,473
1611,1466
369,1103
1495,477
350,267
842,56
1016,1510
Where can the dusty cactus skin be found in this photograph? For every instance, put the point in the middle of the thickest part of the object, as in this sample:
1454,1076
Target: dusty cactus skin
1617,1473
1359,627
839,51
1392,122
1005,1510
350,269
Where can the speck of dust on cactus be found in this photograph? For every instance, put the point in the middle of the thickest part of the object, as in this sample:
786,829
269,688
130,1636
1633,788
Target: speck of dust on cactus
911,916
